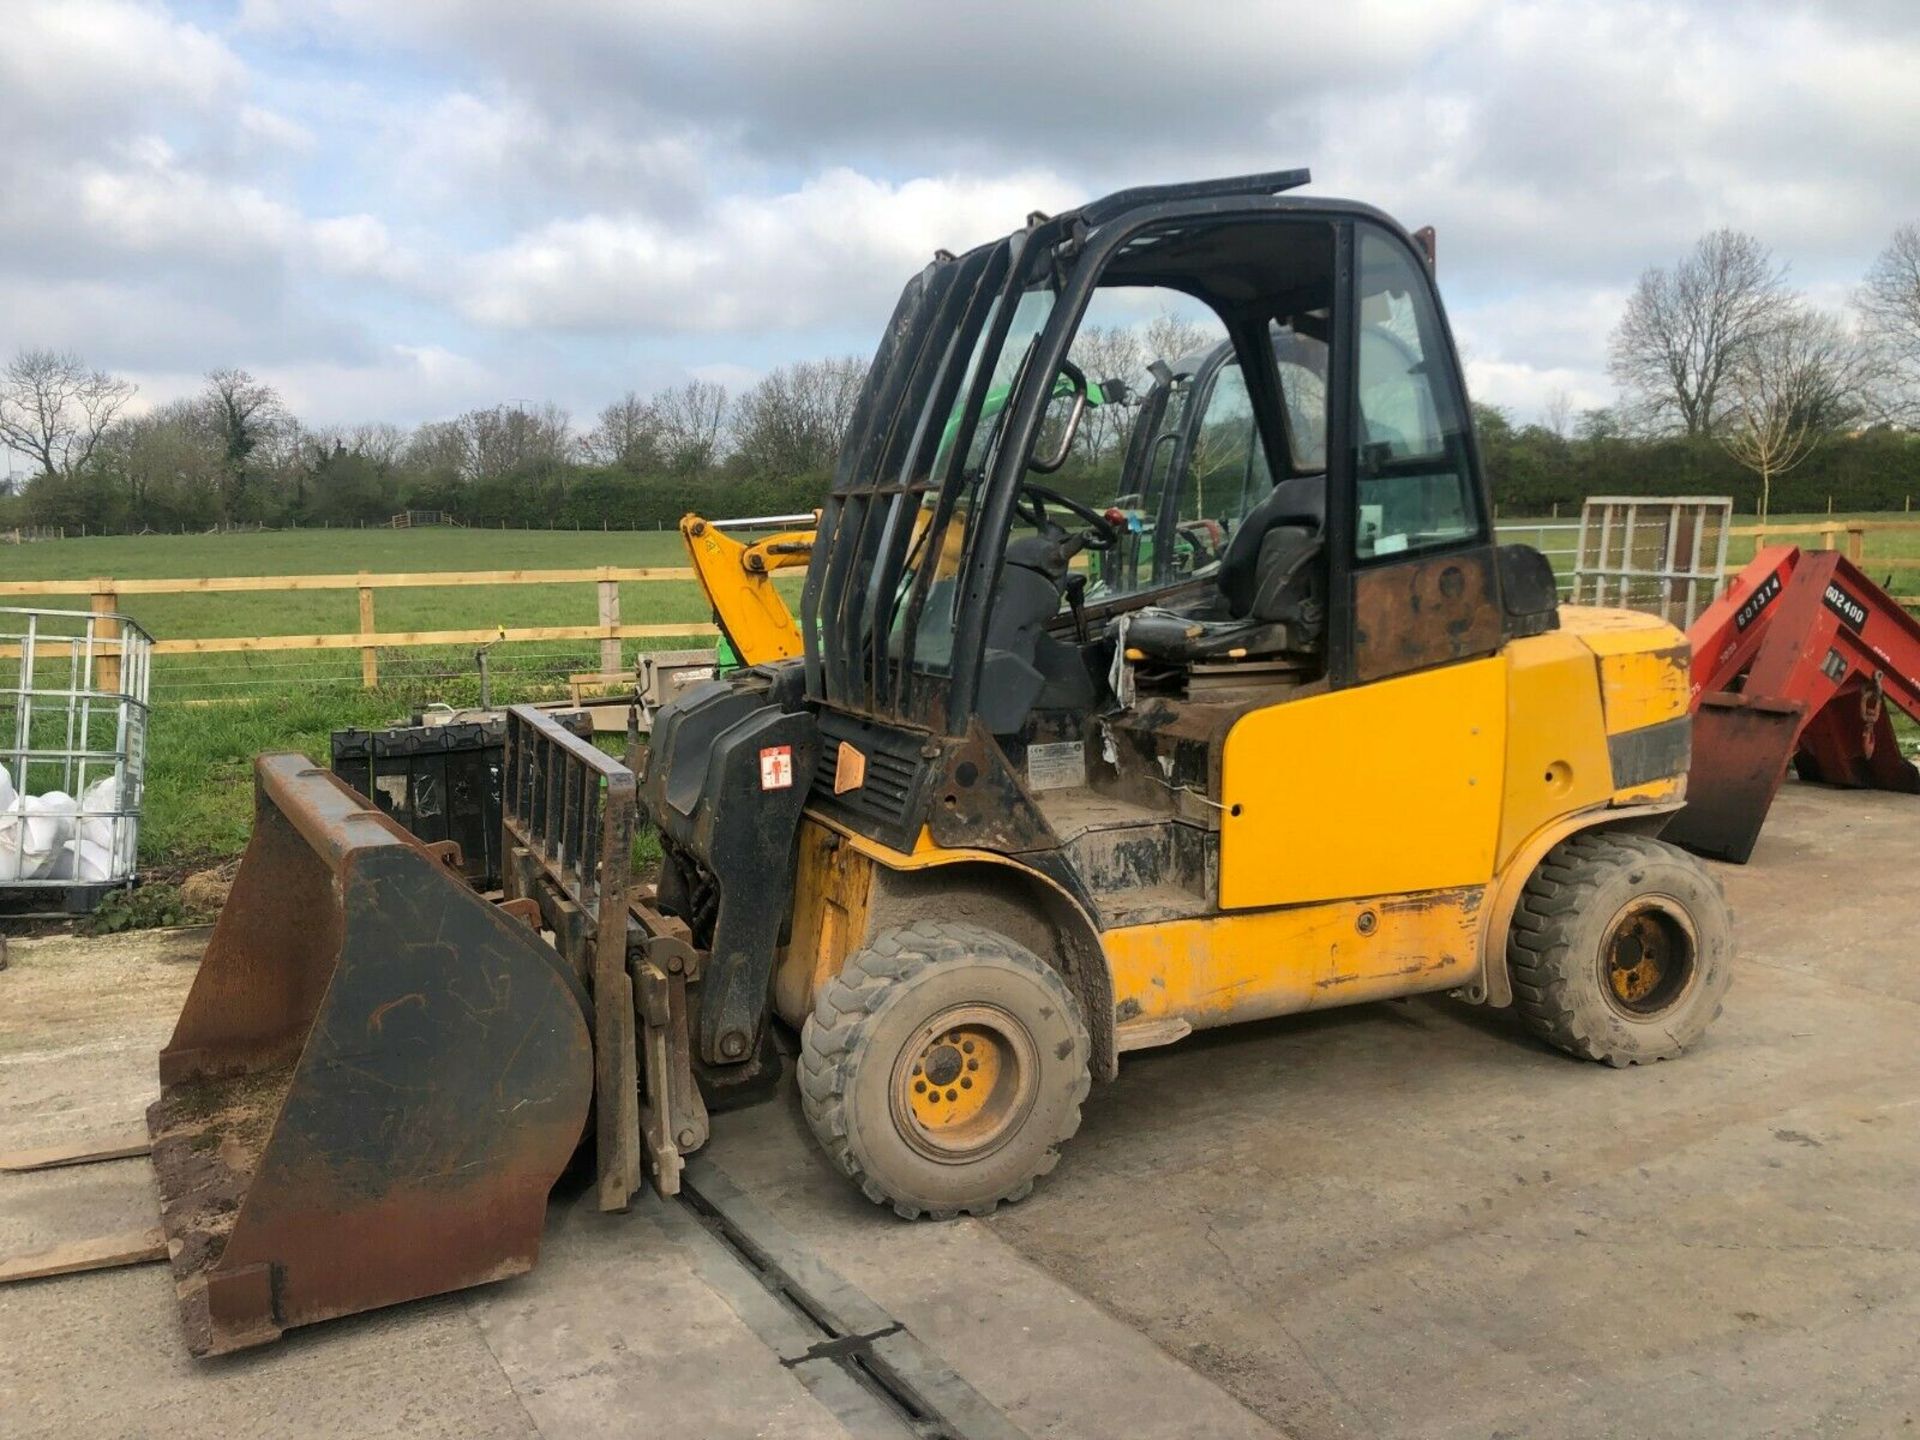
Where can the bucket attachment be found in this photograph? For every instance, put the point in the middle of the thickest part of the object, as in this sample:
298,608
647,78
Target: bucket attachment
1741,746
376,1080
1803,659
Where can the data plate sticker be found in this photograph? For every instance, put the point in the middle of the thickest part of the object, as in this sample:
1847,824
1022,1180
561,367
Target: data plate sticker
776,767
1764,594
1853,611
1059,766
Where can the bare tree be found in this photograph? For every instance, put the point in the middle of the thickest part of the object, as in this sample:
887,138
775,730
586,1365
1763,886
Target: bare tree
1686,328
169,462
1788,389
379,441
795,419
1557,414
438,451
692,419
1172,337
54,410
510,440
243,412
1889,305
627,435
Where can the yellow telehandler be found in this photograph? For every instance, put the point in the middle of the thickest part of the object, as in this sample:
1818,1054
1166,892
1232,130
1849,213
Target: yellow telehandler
1047,785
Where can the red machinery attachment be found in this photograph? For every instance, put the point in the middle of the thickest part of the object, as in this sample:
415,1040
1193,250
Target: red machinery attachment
1798,661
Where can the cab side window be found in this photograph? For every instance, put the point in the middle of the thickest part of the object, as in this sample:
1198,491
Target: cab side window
1413,481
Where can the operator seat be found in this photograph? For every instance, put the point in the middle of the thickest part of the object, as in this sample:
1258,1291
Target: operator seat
1272,583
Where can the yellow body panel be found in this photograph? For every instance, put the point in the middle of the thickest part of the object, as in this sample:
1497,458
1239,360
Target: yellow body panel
1643,663
1227,968
1556,737
1387,788
833,889
1372,840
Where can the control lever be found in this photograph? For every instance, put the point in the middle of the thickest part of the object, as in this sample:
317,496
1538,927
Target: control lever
1075,587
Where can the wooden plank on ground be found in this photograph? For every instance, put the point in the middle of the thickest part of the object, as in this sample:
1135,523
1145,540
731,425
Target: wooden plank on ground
100,1252
78,1152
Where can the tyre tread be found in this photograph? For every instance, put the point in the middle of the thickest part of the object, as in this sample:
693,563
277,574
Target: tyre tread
847,1004
1540,959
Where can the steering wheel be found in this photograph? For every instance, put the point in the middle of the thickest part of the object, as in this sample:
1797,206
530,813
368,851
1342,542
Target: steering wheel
1031,506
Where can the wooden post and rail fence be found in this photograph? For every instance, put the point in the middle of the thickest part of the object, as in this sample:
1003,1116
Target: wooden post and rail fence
105,595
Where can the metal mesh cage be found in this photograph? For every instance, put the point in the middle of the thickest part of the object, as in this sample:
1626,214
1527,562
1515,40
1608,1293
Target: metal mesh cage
73,740
1662,554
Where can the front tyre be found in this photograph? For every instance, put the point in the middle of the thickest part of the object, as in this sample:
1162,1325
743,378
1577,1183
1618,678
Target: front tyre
1621,949
942,1069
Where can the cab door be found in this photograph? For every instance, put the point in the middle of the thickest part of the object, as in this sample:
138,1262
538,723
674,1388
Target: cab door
1390,780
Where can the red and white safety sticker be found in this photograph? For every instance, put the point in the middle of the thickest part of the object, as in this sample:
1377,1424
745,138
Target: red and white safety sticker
776,767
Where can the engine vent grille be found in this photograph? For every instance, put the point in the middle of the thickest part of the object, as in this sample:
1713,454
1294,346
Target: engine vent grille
887,805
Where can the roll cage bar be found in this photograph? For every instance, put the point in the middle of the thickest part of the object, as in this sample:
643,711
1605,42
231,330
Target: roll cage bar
860,627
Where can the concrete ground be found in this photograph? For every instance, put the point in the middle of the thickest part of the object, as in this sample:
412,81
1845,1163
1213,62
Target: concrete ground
1398,1220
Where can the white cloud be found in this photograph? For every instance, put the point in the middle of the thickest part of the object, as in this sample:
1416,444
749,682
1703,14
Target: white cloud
108,57
520,198
401,382
839,245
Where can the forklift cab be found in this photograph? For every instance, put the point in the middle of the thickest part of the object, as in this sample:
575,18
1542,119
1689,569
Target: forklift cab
1352,534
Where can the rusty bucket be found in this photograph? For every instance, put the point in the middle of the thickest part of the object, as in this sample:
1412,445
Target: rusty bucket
1741,746
376,1080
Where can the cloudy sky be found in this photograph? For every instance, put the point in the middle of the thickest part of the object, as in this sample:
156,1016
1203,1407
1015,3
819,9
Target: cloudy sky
398,209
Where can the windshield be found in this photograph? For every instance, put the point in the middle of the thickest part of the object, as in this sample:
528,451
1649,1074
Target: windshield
940,547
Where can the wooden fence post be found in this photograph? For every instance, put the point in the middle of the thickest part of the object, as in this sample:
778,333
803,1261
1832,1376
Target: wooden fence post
1856,543
106,600
609,615
369,659
1829,537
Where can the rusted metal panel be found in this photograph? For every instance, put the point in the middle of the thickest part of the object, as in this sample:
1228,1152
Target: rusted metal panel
376,1079
1424,612
1741,745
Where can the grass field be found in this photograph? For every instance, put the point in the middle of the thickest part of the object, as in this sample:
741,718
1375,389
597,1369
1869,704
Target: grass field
198,786
198,791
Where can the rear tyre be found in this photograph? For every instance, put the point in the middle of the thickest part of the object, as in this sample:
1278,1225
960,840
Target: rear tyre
1621,949
942,1069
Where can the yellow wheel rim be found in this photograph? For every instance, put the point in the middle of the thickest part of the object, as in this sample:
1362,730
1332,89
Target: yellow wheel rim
1647,959
964,1082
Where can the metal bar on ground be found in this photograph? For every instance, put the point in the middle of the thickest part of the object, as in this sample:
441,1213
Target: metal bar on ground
857,1337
